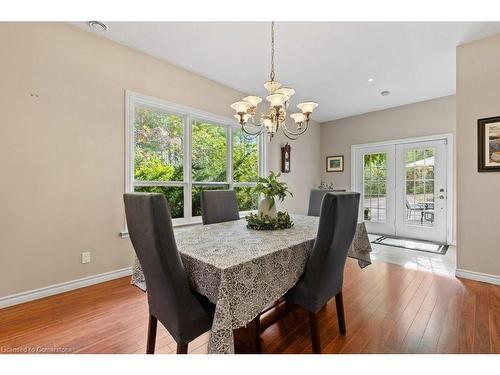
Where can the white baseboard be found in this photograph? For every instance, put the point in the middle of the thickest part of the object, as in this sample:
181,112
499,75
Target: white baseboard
478,276
30,295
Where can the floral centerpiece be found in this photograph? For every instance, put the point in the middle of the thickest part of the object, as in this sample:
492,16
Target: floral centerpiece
267,217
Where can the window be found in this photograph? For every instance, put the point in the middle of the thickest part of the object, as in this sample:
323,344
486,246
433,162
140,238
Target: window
179,152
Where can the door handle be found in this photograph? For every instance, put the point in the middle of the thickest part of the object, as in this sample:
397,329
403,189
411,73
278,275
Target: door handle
441,196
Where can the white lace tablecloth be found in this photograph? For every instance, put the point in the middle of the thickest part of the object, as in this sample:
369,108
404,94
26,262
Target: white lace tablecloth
243,271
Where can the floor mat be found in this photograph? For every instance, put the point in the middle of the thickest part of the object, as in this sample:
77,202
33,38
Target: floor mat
406,243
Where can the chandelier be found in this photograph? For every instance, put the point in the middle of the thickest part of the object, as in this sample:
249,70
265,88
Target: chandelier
275,118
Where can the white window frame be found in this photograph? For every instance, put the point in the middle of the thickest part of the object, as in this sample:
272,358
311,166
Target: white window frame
188,114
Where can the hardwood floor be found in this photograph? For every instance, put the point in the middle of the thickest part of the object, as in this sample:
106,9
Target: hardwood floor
388,308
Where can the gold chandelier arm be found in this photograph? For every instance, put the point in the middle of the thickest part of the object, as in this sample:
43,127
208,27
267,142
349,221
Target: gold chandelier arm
251,134
295,134
289,137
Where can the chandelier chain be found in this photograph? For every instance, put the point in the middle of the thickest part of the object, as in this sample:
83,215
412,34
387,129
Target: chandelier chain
272,51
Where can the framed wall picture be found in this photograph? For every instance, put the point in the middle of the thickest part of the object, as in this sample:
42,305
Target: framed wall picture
285,158
488,147
335,163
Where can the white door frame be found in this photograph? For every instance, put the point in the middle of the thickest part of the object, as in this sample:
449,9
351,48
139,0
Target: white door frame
448,137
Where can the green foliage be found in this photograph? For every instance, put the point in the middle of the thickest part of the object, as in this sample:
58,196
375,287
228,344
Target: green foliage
152,168
272,188
174,195
158,146
245,158
265,222
208,152
248,199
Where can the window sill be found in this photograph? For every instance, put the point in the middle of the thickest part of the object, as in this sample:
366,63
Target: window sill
182,223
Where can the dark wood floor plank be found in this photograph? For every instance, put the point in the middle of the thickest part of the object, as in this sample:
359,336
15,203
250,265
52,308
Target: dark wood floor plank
444,308
482,342
494,317
389,309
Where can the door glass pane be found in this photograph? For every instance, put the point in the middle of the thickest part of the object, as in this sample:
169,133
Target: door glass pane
174,195
375,187
158,146
420,187
209,152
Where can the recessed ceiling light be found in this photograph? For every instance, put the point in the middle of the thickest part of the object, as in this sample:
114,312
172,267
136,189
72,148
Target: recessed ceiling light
385,93
370,80
98,26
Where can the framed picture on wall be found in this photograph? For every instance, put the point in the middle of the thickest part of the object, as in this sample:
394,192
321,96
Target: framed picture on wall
488,137
335,163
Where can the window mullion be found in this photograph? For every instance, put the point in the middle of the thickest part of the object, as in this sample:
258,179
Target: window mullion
157,183
187,168
229,157
130,146
262,157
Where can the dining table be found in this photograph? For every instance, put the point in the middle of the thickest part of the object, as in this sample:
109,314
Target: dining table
244,271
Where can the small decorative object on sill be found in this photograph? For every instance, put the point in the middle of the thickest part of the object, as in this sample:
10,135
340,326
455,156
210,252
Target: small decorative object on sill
265,222
324,186
285,158
367,214
335,163
488,137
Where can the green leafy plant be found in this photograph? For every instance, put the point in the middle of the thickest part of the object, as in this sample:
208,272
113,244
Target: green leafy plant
265,222
270,187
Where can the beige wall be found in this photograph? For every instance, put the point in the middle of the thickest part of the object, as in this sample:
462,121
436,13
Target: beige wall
437,116
62,153
478,96
305,163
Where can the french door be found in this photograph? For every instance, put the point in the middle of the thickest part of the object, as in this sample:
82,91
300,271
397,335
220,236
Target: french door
403,189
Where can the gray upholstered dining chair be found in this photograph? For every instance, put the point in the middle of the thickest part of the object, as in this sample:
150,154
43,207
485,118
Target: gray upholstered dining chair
184,313
315,199
218,206
324,273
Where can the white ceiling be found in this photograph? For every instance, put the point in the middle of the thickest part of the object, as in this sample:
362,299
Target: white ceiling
328,62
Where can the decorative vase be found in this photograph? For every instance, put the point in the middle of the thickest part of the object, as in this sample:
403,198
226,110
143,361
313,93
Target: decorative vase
267,207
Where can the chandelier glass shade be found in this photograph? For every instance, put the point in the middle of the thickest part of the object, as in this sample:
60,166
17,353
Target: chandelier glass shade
274,118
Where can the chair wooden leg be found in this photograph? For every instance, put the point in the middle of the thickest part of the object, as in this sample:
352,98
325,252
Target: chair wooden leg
277,307
339,303
313,323
252,336
182,349
257,334
153,322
